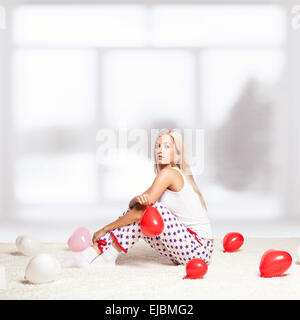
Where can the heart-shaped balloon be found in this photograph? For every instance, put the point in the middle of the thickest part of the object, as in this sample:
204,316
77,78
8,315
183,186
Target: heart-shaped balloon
274,263
80,240
195,269
152,223
232,241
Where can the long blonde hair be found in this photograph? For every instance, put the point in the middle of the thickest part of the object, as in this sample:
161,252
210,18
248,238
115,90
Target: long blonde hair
180,160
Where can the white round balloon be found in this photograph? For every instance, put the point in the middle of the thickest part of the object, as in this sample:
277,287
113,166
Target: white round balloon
42,268
18,240
28,245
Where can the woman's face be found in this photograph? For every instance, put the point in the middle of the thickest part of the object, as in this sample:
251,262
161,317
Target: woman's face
164,149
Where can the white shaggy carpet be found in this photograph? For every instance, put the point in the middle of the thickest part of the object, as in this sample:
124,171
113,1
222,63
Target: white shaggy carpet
143,274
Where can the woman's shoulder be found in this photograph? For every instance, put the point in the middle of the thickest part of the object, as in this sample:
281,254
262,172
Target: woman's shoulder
179,171
169,173
175,176
166,174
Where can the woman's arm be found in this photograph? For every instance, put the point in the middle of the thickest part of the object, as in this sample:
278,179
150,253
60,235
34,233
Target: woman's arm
161,182
128,218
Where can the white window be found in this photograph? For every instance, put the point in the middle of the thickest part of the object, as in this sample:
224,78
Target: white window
79,68
142,86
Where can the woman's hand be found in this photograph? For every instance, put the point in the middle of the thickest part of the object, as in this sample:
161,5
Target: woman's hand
143,199
98,234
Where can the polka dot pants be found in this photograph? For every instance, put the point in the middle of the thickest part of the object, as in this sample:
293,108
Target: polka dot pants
176,241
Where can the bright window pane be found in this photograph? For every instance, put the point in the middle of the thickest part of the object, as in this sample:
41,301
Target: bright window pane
54,87
122,179
242,205
69,178
227,72
92,25
190,25
148,86
239,95
2,18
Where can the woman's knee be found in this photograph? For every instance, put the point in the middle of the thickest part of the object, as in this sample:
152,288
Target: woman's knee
139,211
140,207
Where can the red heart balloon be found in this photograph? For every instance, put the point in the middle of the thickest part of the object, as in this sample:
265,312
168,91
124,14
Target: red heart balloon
152,223
274,262
195,269
232,241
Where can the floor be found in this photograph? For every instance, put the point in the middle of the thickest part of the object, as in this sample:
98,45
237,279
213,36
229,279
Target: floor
143,274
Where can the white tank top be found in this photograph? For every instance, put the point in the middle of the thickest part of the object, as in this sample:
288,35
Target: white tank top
186,206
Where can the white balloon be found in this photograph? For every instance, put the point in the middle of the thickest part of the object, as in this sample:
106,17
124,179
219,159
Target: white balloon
28,245
42,268
298,254
18,240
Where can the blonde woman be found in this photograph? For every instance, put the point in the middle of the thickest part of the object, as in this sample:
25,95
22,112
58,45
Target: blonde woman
187,231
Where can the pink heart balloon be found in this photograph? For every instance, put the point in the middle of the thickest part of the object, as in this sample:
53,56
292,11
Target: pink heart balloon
80,239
